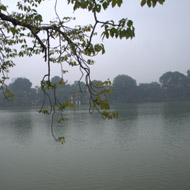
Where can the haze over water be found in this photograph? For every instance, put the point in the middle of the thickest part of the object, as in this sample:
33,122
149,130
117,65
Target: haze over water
148,147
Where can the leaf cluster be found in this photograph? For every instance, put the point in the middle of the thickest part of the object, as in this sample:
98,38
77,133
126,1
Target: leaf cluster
23,33
151,3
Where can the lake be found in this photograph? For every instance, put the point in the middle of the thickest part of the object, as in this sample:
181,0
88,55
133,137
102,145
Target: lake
147,148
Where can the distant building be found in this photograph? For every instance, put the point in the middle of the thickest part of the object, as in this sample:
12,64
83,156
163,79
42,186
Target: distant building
36,89
75,98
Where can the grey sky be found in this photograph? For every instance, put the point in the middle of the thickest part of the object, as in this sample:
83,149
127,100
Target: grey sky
162,43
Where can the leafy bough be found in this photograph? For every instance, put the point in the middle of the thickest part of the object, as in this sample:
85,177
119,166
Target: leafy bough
60,43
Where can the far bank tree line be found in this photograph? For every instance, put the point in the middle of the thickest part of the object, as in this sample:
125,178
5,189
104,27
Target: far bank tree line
171,86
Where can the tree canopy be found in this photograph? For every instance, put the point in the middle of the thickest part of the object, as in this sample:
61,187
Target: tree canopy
21,84
24,33
174,87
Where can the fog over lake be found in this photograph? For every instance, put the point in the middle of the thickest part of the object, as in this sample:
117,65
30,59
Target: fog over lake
148,147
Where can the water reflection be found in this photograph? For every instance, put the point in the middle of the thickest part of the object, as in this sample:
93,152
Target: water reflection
146,148
125,127
176,125
18,125
176,110
127,111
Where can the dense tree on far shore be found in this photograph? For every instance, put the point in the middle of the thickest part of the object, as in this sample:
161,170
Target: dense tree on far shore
172,86
124,88
176,84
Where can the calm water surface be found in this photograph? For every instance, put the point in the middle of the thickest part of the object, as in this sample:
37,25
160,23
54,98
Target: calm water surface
147,148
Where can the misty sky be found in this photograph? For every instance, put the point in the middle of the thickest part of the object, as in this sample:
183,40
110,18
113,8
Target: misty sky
162,43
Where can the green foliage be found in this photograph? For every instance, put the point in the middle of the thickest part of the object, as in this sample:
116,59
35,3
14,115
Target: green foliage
172,86
44,112
176,84
9,95
124,81
61,140
174,80
21,84
92,6
124,87
151,3
23,33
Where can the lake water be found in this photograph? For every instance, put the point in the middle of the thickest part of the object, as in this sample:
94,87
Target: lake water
147,148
